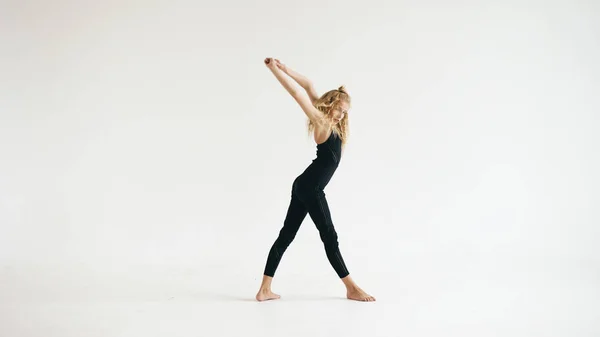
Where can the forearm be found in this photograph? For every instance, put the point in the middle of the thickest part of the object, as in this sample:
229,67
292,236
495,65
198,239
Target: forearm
302,80
285,81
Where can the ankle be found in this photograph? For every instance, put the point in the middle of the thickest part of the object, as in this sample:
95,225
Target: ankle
349,283
266,283
351,288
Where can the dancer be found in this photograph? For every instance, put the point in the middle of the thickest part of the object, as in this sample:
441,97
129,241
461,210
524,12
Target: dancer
328,123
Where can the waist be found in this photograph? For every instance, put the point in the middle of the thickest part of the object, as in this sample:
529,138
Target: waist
331,160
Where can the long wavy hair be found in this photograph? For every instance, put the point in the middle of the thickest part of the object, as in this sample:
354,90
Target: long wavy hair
325,104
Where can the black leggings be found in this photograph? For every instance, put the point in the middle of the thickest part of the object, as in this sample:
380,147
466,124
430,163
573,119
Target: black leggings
307,199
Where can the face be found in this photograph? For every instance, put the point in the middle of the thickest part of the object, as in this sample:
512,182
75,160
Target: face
339,111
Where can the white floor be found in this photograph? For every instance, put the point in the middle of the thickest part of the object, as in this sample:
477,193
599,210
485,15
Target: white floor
432,296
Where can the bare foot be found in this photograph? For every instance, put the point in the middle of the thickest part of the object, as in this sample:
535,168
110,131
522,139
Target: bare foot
266,295
358,294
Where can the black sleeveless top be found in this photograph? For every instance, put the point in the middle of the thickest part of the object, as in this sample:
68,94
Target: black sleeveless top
330,151
322,168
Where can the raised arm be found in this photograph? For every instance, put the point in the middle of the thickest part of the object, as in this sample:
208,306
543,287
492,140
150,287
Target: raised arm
302,80
303,100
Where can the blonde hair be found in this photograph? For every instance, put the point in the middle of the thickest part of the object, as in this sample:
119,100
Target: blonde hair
325,104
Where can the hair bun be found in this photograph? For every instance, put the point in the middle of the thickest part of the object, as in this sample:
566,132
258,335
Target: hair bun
343,89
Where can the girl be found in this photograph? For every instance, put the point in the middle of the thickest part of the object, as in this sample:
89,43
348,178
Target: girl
328,121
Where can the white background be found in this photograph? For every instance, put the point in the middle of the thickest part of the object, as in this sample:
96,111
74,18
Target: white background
147,157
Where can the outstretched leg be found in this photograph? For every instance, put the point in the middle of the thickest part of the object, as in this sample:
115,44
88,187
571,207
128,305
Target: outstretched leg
295,216
293,219
321,216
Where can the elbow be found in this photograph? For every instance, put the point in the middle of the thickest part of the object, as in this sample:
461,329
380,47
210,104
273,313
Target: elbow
295,93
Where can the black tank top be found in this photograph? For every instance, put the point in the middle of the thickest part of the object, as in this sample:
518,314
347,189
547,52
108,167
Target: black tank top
322,168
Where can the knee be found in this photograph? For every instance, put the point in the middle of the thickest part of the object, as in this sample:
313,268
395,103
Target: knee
285,238
329,237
